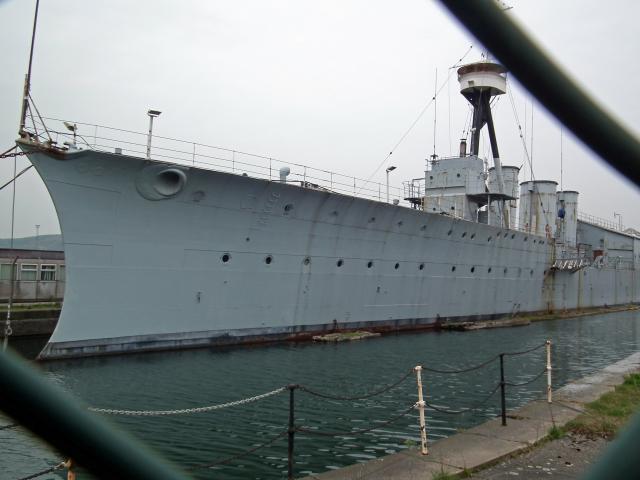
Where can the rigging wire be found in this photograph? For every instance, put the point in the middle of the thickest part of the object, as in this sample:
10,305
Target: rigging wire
531,140
14,178
524,142
467,123
7,327
415,122
435,111
561,165
522,138
449,112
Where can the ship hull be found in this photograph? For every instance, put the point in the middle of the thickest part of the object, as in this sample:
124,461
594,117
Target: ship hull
195,257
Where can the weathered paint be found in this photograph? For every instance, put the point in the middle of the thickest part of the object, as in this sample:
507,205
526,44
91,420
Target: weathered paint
227,259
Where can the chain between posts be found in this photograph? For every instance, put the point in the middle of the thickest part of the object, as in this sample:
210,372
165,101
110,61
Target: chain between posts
292,429
44,472
239,455
185,411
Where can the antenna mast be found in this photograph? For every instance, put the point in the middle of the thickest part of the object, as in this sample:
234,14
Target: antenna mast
435,115
27,79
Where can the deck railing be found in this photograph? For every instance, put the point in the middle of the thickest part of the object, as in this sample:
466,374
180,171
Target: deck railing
601,222
117,140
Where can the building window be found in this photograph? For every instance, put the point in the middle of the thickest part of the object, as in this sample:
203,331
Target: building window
28,271
47,273
5,271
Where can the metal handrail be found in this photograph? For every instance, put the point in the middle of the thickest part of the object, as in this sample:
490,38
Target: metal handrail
107,139
600,222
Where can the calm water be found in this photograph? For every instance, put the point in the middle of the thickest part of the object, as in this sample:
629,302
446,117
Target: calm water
195,378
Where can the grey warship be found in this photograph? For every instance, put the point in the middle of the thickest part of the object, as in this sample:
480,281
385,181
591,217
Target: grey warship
181,249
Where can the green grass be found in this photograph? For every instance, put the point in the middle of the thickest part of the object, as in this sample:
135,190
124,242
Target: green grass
30,306
605,416
556,432
443,476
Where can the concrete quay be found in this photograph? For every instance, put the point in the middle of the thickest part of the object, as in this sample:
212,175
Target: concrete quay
490,442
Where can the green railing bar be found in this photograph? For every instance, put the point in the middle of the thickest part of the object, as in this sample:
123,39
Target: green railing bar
549,84
58,418
620,459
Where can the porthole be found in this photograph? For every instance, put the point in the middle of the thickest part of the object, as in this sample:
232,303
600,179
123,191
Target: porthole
453,208
421,267
288,207
473,235
453,269
545,272
225,258
268,259
247,239
513,235
431,177
434,209
400,223
340,262
489,239
489,270
369,264
397,266
306,261
506,235
372,219
473,269
423,228
458,175
526,238
505,271
531,273
449,232
334,213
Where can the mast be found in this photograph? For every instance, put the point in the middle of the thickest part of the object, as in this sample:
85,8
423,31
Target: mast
27,79
479,83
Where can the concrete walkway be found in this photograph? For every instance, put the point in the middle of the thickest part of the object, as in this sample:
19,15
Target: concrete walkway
488,443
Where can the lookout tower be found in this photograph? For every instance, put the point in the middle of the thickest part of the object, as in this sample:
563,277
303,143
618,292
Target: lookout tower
479,83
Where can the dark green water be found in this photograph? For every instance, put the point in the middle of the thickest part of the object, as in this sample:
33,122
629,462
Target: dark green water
186,379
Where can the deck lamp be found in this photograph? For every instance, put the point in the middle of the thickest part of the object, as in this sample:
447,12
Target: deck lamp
152,114
389,169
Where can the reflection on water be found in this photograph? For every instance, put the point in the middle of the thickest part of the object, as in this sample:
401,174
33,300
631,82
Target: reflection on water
170,380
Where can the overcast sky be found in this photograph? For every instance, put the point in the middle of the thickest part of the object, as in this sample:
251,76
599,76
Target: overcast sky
331,84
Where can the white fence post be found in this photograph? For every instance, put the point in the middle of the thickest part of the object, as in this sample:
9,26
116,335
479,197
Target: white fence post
548,371
421,404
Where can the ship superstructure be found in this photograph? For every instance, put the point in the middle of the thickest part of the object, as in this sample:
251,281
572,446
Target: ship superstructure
173,255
